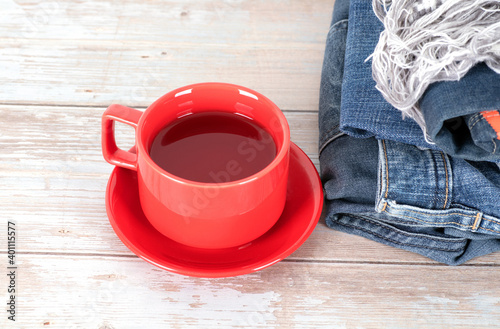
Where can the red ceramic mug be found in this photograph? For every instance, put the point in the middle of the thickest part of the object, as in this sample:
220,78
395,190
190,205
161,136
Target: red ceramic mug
199,214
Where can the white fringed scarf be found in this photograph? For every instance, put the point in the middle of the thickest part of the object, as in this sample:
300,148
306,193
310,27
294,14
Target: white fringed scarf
425,41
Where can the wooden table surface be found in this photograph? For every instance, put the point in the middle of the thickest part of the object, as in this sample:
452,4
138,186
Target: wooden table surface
63,62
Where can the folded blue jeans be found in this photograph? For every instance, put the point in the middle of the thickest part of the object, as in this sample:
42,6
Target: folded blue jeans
418,199
452,110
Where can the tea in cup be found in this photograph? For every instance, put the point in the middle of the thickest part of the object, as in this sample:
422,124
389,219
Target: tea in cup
211,161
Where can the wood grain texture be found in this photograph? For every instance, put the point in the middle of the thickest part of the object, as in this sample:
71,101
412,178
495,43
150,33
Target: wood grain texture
63,62
109,292
100,52
53,172
53,179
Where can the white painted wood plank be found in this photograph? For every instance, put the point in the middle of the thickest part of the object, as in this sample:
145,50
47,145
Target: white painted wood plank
74,272
67,139
206,21
53,180
122,293
99,52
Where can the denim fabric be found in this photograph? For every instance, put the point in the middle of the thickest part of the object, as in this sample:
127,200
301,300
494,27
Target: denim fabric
333,68
421,200
452,112
365,113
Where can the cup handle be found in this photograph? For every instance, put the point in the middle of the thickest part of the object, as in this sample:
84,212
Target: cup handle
110,151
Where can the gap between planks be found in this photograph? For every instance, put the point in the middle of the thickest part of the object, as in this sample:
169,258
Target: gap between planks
290,259
97,105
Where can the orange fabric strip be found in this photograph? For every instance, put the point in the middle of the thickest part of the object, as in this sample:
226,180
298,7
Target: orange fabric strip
493,118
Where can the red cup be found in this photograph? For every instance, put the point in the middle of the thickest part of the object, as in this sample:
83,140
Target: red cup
197,214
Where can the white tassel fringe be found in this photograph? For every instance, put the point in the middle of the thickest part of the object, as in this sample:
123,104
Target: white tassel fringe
425,41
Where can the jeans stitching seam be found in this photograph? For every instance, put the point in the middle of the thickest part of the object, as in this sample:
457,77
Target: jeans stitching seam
491,114
491,220
335,26
325,144
438,215
481,117
446,177
487,229
476,222
395,241
329,131
399,231
476,118
386,171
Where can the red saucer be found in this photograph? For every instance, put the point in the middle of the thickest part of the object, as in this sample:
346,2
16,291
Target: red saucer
298,220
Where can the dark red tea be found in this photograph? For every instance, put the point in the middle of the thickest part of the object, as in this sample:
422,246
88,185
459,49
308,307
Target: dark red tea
213,147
